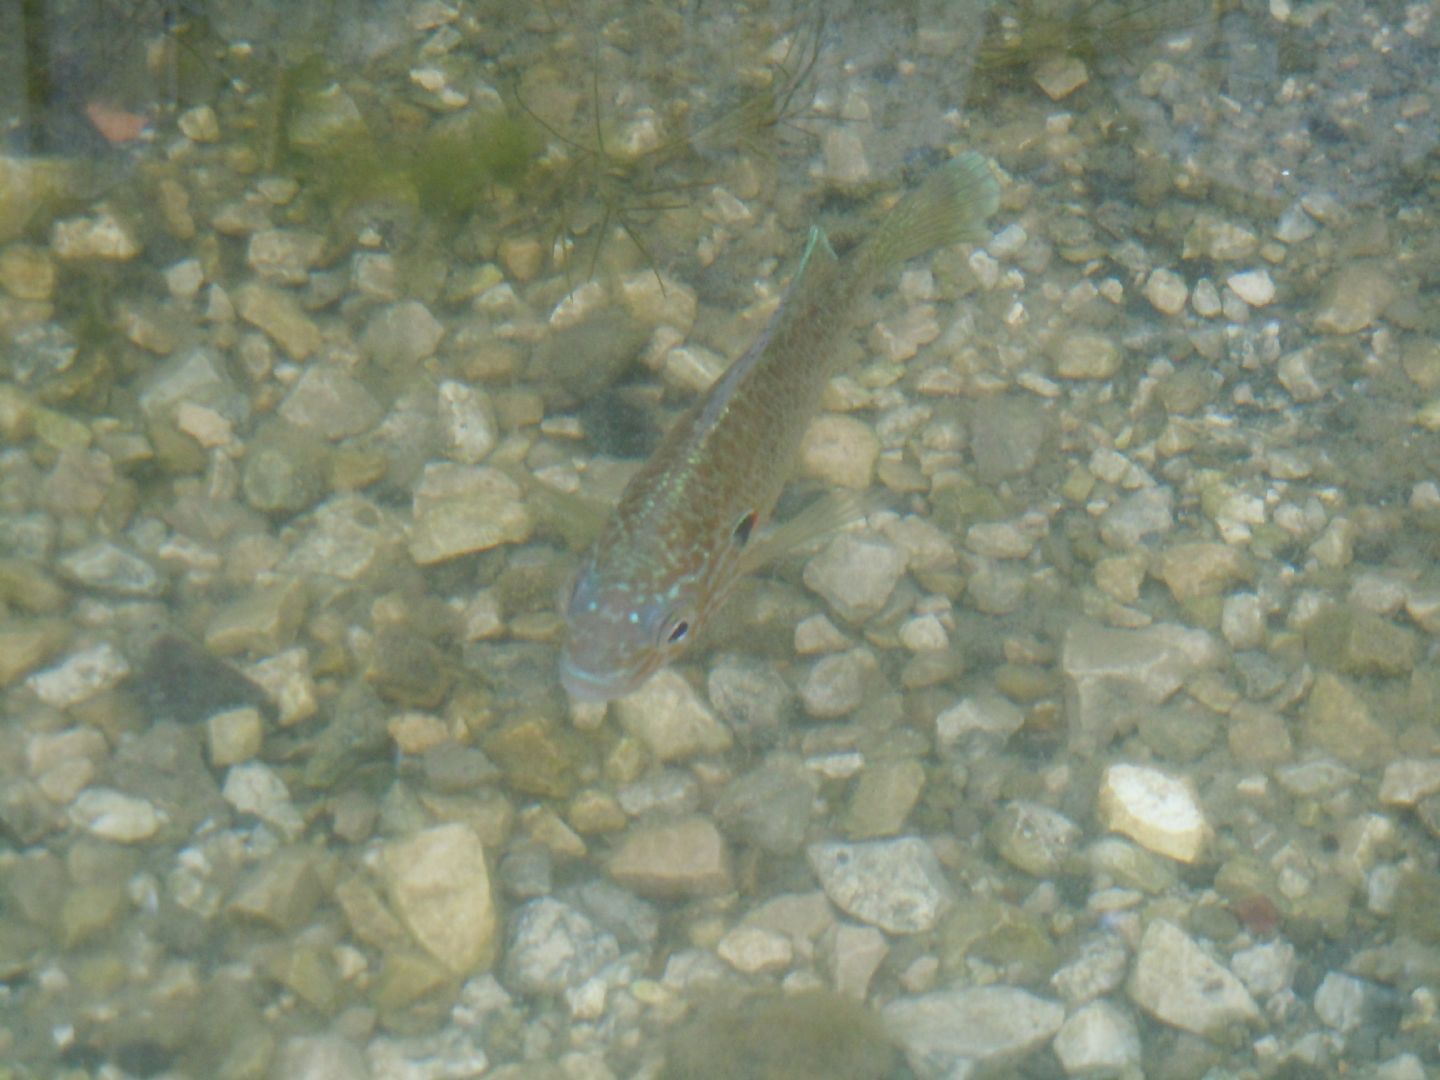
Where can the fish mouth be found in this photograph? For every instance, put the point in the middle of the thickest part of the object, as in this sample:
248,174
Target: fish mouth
593,686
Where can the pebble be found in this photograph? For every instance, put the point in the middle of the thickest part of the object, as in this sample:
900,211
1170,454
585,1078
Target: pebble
331,403
882,798
1296,372
234,736
949,1032
1255,287
1180,984
659,300
467,419
262,621
1033,837
103,236
840,451
1295,225
1147,513
898,339
989,715
114,815
1085,355
1059,75
284,256
1166,291
1267,968
668,716
255,788
345,537
770,806
401,335
753,950
835,685
27,273
199,124
440,887
1112,670
282,891
897,885
845,162
110,568
750,696
1201,568
80,676
692,368
1354,298
1205,299
1409,780
1242,621
1159,812
855,575
1210,237
1098,1038
278,315
1339,721
1341,1001
459,509
1098,968
554,947
669,859
320,1057
1000,539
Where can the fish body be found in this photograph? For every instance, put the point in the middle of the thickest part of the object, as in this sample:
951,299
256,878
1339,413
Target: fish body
686,528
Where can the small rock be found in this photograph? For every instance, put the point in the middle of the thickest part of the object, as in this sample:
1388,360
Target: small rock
750,696
1265,969
110,568
103,236
856,953
1098,1038
554,947
80,676
1409,780
659,300
199,124
282,891
1255,287
1085,355
1242,621
988,715
401,335
670,719
27,273
440,887
1223,241
855,575
1033,837
114,815
468,420
1201,569
752,950
1179,984
835,685
1128,523
1060,75
1341,1001
897,885
669,859
278,315
845,163
1166,291
882,798
255,788
1338,720
285,256
770,806
320,1057
1157,811
234,736
947,1032
330,403
459,509
1355,298
840,451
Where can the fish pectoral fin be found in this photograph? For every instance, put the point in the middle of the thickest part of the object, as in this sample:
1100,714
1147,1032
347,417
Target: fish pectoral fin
822,516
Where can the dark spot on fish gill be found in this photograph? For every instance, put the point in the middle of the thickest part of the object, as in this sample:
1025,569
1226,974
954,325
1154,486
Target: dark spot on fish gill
678,632
744,528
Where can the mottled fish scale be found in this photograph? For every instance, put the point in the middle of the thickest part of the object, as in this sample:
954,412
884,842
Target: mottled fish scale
671,551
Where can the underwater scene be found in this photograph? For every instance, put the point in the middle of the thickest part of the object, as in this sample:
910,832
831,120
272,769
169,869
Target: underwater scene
608,539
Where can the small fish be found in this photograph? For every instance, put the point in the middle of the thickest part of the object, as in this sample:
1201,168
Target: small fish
689,525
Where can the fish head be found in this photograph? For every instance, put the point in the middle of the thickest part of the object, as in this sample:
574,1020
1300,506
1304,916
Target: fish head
621,633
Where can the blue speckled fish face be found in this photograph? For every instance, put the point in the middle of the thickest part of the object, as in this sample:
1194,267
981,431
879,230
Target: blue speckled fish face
619,637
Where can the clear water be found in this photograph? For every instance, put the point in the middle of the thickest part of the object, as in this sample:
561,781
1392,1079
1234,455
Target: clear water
327,331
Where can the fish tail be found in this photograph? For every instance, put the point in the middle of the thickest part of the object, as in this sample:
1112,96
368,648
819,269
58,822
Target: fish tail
950,206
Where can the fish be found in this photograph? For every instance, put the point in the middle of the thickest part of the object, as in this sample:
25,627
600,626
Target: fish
692,522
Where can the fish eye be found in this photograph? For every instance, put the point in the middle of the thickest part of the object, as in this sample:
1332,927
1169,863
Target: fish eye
676,627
